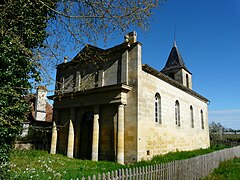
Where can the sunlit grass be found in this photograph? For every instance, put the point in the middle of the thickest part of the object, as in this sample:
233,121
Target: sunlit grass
35,164
227,170
172,156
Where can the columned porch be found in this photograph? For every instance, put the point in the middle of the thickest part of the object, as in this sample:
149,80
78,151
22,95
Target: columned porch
106,124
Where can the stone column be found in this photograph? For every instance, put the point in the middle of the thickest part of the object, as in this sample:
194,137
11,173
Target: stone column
54,139
95,139
70,147
120,135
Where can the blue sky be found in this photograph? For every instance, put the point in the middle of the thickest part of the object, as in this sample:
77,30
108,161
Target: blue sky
208,38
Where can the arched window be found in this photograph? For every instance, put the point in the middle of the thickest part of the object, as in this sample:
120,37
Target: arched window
187,80
158,116
177,113
202,120
191,115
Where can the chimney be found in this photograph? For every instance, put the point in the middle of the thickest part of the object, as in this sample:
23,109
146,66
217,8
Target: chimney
65,59
131,37
41,103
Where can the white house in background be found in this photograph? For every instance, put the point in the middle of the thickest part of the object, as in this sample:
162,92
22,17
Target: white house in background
41,110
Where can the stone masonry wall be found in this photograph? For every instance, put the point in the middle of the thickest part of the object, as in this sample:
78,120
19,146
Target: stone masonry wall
155,138
107,133
131,108
63,131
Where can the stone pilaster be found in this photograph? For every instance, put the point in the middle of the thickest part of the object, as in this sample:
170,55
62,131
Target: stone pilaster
120,135
95,139
54,139
70,148
124,72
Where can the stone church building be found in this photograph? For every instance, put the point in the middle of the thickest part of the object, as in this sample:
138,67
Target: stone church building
110,106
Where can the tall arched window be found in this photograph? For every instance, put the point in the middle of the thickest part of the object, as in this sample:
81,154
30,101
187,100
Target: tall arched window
158,116
177,113
191,115
187,80
202,120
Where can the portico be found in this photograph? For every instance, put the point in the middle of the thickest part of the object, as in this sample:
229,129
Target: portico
88,112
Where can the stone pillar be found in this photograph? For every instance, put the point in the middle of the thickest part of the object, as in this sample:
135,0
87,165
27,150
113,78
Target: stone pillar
54,139
120,135
70,147
95,139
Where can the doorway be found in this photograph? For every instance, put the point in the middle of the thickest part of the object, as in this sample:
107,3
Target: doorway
86,136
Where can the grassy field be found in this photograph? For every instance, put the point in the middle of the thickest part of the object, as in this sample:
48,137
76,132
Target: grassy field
33,164
227,170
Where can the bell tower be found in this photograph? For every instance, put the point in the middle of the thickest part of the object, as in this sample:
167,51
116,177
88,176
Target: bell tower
176,69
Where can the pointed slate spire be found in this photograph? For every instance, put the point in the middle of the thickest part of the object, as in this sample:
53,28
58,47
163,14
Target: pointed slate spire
175,61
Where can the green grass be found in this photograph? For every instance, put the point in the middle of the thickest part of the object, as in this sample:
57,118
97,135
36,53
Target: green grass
33,164
227,170
172,156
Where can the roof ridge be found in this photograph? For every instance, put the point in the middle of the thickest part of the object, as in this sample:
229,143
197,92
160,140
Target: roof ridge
162,76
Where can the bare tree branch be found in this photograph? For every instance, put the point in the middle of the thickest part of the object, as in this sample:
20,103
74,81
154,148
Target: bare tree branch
87,21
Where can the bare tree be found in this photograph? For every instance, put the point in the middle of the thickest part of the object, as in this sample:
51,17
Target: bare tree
78,22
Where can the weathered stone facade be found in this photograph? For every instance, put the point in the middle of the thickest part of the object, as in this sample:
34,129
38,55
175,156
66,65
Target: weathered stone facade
108,106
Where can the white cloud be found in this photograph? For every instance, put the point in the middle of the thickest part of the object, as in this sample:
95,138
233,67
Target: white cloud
228,118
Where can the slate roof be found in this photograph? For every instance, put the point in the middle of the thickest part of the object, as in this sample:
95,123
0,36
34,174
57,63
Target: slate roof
169,80
93,54
175,61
